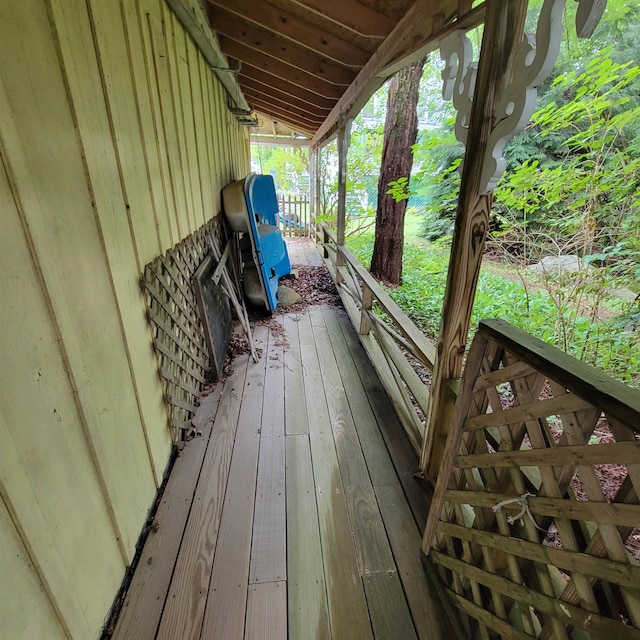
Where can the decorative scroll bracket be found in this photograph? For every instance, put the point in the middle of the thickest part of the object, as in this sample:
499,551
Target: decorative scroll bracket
533,60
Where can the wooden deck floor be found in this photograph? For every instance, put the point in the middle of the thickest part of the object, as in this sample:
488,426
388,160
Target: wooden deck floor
295,514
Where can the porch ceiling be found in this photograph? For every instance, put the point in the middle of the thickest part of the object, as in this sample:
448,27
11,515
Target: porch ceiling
297,59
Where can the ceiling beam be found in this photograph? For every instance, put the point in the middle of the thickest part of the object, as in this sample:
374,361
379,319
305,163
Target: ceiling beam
296,29
290,119
268,97
289,26
320,21
251,85
282,85
288,113
412,38
280,69
353,14
264,41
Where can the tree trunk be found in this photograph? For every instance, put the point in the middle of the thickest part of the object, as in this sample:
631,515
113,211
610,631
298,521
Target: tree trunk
400,131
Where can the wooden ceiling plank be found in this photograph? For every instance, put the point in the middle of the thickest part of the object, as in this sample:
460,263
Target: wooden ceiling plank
252,96
300,24
353,15
260,39
265,90
284,115
297,30
411,39
285,110
294,121
257,75
257,98
280,69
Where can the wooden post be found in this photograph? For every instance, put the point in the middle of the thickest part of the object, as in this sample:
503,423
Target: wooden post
318,187
343,146
503,30
310,220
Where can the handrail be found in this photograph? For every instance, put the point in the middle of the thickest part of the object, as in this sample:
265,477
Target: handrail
421,343
616,398
387,343
527,530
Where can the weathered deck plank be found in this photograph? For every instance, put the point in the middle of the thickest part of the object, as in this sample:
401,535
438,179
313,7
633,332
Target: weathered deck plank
348,611
269,542
307,595
142,609
388,608
296,420
227,598
182,615
372,546
267,612
403,535
373,446
404,459
300,526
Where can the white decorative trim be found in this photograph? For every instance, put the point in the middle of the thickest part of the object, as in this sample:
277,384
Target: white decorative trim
533,61
459,78
534,58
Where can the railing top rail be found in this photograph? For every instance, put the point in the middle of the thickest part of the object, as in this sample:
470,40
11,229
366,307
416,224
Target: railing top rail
615,398
422,343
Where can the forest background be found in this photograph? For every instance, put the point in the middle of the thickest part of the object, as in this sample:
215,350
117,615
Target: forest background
563,257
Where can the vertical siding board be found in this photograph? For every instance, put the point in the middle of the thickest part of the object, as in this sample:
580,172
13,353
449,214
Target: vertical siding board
47,472
214,109
171,24
116,139
211,182
154,133
209,133
160,57
184,45
120,101
25,609
145,119
224,128
203,170
122,216
50,178
185,118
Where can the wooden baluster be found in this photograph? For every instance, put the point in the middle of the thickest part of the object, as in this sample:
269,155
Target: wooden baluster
367,304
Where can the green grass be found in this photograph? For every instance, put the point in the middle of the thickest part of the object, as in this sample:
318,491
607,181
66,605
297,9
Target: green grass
608,344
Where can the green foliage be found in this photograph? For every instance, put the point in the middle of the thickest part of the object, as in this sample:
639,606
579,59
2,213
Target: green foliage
289,167
572,186
399,189
609,344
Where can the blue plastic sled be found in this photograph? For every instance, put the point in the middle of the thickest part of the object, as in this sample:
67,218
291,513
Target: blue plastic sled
251,207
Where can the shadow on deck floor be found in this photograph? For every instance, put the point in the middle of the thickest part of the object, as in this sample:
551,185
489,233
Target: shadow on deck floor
295,514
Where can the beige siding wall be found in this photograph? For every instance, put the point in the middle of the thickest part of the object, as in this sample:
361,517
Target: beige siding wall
115,142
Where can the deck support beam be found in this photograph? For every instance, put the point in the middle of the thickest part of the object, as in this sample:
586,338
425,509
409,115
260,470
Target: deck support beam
504,26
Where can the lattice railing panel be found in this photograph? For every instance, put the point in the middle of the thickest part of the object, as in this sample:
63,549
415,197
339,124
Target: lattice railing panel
178,334
535,519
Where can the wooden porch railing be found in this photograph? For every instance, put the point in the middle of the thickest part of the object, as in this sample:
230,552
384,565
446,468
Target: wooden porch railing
535,521
389,338
293,217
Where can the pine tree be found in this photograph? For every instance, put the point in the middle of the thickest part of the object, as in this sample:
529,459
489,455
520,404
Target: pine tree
400,131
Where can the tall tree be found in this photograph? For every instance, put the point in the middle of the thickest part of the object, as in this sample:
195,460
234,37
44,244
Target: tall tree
400,131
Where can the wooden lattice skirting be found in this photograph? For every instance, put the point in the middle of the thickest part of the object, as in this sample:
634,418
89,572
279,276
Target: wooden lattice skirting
178,334
536,504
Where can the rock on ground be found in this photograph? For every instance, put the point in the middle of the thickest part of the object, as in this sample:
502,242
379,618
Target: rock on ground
287,297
